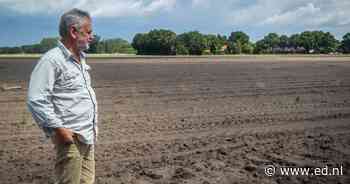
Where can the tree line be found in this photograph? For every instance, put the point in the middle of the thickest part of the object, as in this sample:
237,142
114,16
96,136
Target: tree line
98,46
167,42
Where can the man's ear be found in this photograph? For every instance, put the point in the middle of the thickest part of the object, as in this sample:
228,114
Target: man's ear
73,32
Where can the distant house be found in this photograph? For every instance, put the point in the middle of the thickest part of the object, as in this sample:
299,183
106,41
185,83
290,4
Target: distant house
288,50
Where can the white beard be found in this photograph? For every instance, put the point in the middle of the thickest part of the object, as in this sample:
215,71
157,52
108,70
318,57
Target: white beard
83,46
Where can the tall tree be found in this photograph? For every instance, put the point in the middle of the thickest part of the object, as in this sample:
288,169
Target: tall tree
284,41
194,42
318,42
238,42
345,43
269,44
138,43
273,41
294,40
214,43
156,42
239,36
307,41
327,43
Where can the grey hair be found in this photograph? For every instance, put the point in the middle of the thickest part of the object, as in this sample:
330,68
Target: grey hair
74,17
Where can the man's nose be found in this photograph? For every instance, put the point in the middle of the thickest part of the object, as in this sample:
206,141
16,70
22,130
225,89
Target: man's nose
91,38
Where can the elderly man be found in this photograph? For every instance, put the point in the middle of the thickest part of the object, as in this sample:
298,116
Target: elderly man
63,103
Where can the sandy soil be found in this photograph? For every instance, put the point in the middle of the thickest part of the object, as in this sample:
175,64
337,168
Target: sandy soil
195,120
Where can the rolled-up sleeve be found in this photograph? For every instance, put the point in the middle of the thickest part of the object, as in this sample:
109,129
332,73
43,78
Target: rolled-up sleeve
39,99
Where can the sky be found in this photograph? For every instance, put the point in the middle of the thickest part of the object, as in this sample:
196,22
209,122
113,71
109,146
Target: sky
28,21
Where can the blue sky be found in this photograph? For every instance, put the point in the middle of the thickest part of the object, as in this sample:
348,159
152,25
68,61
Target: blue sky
28,21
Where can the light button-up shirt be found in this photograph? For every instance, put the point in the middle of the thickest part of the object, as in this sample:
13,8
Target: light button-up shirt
60,94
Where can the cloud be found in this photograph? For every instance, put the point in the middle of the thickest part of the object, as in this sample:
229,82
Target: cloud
98,8
285,13
256,16
233,12
201,3
110,8
306,12
35,6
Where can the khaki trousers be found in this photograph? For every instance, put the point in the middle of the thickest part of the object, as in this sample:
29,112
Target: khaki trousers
75,163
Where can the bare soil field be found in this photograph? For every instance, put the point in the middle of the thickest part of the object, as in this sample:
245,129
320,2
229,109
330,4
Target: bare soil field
195,120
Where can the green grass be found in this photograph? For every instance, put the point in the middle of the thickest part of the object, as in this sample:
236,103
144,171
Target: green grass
20,55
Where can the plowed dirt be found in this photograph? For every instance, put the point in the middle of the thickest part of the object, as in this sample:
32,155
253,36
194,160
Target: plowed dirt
195,120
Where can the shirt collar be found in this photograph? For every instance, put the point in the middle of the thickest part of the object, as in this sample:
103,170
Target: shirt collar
67,53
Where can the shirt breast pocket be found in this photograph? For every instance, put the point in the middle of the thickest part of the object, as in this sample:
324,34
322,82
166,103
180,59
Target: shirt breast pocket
71,80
